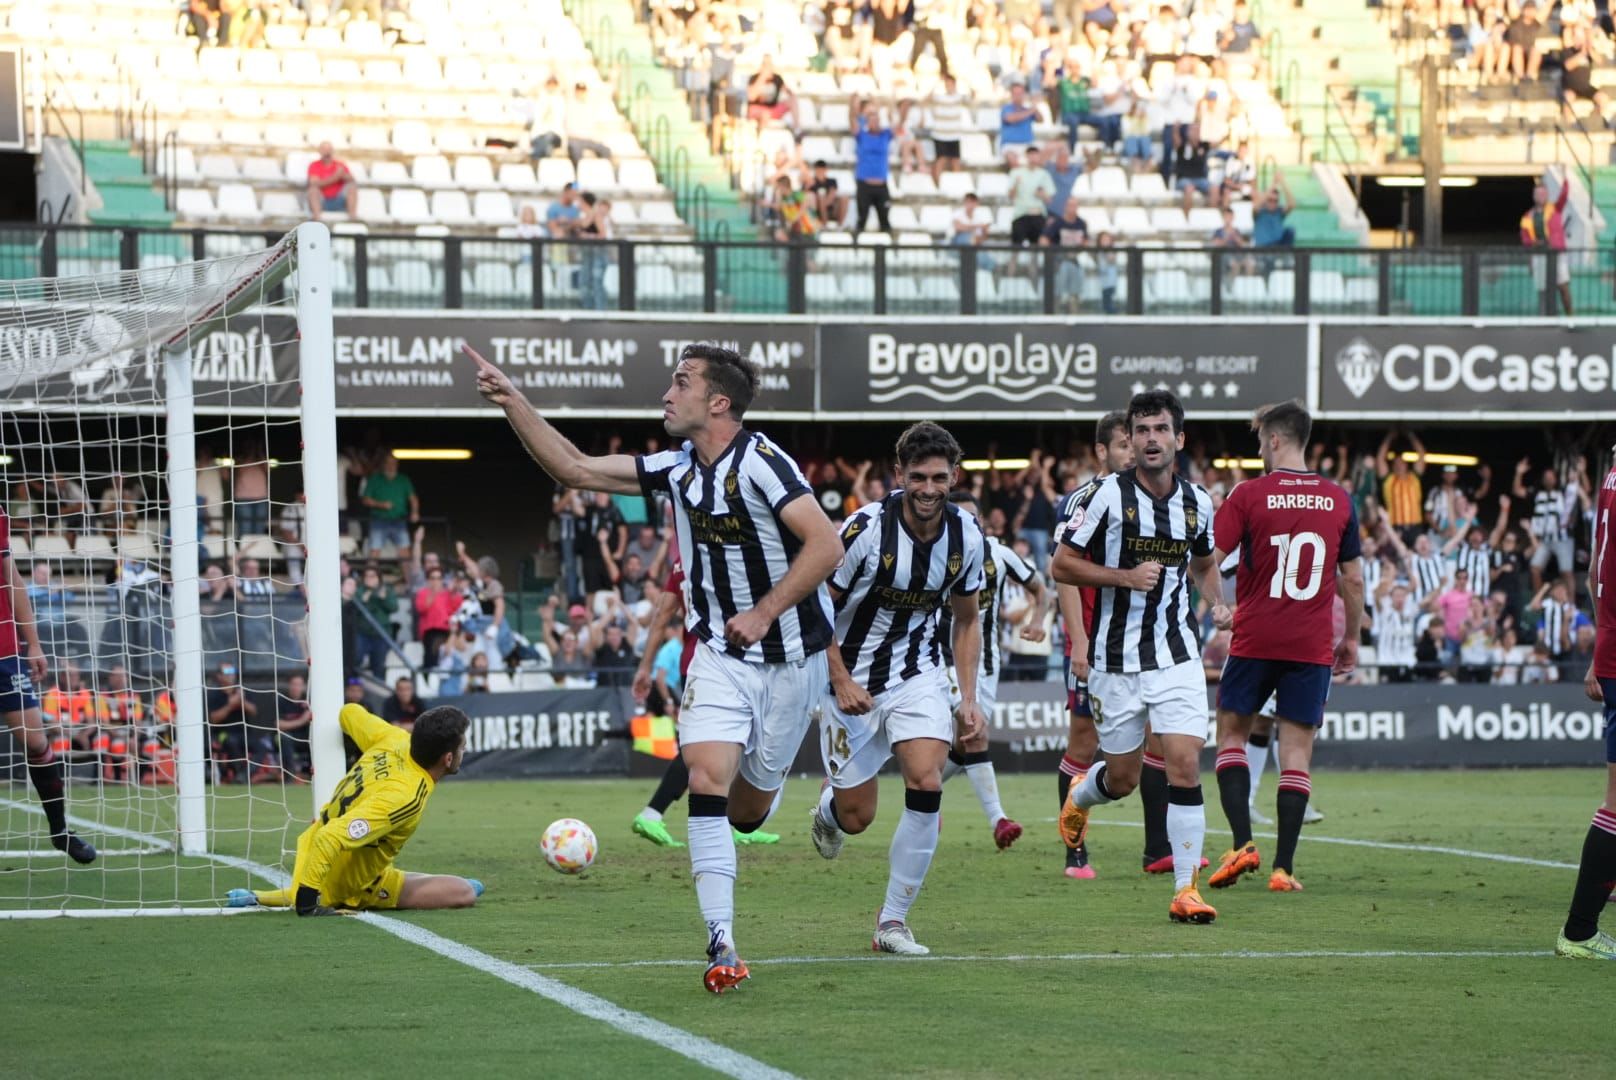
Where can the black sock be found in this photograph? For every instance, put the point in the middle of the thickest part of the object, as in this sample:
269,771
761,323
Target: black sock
1294,791
49,778
709,805
975,757
1153,797
1063,783
1594,875
675,778
1234,791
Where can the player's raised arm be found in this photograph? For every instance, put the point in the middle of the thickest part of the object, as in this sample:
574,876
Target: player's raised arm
555,453
365,728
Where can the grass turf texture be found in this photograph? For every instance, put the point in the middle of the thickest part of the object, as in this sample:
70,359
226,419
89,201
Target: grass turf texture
251,993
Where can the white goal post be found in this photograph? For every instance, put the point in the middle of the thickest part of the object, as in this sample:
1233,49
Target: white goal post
168,448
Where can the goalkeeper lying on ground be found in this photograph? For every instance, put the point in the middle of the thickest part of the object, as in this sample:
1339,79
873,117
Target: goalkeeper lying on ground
345,858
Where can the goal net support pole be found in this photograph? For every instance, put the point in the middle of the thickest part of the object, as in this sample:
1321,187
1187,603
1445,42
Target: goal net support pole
323,570
190,709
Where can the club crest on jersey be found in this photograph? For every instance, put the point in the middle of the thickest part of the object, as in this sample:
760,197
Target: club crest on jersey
1189,517
732,484
954,562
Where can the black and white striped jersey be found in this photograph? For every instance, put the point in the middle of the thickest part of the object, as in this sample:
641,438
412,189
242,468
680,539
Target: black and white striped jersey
1549,514
1426,573
1121,526
1554,626
1478,563
1371,579
893,587
734,545
1000,566
1395,633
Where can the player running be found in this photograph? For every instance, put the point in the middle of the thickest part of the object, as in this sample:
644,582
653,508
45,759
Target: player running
1298,537
906,556
667,622
1581,937
757,554
1141,534
345,859
1000,566
22,672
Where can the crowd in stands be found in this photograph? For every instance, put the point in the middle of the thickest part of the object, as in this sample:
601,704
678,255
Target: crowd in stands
1147,83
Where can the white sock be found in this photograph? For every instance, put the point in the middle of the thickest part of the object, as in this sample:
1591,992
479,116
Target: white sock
712,864
827,802
951,769
654,815
1256,761
914,842
1088,793
1186,831
987,789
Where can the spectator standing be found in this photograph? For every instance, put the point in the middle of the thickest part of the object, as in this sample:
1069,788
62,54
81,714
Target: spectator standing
608,535
435,606
562,217
331,185
872,144
1110,271
614,662
1137,148
1068,232
379,602
1543,229
1432,652
210,489
948,118
1400,486
932,18
1394,628
1035,518
1241,38
1454,604
402,705
595,223
1268,228
568,508
1063,171
249,487
1030,191
294,530
1556,618
1015,122
49,601
1553,513
250,583
488,599
1191,171
292,725
393,505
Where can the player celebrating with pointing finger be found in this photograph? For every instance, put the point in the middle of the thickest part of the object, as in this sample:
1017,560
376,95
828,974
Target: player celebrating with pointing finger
1143,531
1297,534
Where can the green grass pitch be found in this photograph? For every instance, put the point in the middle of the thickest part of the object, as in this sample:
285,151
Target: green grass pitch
1039,975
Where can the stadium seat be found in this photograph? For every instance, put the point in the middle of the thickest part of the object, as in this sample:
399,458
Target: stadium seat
956,185
492,280
452,208
281,205
1131,221
94,546
263,170
1108,182
976,151
493,208
555,174
431,172
821,148
858,288
383,72
903,217
408,206
371,207
1327,287
596,174
422,69
390,172
1205,219
1149,187
821,289
366,105
940,289
902,291
412,137
474,171
1169,219
298,67
1361,290
919,185
1016,292
659,212
637,176
993,187
219,167
51,544
1282,286
1246,289
518,177
182,167
936,219
193,204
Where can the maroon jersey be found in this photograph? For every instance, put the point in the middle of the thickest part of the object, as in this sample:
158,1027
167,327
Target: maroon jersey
8,614
1604,583
1291,528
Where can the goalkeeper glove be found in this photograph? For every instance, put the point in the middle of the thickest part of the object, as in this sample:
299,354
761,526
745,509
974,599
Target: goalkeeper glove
307,902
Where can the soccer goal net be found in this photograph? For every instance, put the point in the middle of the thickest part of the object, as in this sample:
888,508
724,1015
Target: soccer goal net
167,445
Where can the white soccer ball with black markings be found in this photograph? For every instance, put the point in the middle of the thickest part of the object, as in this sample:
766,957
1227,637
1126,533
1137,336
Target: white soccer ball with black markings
569,846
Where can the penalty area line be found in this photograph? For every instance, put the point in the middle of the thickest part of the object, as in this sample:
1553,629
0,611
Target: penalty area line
1024,958
703,1052
1383,845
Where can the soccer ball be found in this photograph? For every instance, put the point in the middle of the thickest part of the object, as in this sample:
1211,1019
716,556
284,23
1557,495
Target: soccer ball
569,846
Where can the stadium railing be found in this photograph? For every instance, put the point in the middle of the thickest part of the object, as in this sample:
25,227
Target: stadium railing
406,271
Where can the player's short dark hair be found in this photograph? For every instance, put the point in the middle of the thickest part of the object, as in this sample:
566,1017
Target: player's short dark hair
1151,402
1288,418
1105,428
727,372
927,440
437,731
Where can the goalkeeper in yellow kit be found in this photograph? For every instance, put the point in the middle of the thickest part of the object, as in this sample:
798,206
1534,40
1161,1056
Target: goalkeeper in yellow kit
345,858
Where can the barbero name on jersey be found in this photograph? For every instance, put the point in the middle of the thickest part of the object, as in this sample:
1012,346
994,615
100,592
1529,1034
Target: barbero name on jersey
1298,501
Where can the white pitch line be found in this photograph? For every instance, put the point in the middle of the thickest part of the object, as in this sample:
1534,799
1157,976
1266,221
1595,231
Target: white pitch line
704,1052
1384,845
126,913
97,826
44,853
1022,958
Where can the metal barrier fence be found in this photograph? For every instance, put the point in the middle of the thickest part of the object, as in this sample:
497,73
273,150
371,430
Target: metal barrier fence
380,271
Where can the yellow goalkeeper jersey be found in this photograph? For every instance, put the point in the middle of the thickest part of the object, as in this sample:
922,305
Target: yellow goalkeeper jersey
371,815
